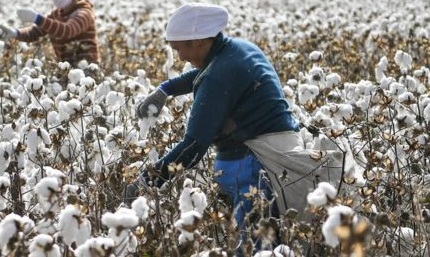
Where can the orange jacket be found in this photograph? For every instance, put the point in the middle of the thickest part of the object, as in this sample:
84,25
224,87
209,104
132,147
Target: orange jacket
72,32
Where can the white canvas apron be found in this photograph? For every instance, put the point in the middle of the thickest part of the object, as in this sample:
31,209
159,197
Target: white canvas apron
283,152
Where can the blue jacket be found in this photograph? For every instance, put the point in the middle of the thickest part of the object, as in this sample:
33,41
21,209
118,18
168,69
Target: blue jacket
237,96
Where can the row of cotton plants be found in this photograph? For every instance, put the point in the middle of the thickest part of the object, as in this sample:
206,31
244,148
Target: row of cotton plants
69,150
355,73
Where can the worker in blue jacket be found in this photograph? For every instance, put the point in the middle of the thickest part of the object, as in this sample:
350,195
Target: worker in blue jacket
237,96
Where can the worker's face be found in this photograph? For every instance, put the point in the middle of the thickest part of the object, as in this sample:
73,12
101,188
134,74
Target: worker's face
190,51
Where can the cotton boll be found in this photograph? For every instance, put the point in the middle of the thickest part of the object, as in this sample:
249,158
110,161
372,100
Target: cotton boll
34,84
75,76
44,246
72,88
10,226
114,100
47,187
333,79
289,94
87,82
69,223
317,198
32,140
34,63
316,77
290,57
64,65
285,250
397,89
386,82
188,221
307,93
316,56
192,198
381,67
98,246
84,231
320,196
333,221
145,124
83,64
140,206
403,60
410,83
122,217
185,237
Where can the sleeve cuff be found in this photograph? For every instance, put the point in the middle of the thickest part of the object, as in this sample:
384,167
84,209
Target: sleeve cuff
39,19
164,87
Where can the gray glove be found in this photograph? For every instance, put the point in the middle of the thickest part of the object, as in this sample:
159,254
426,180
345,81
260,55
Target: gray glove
151,105
27,15
7,32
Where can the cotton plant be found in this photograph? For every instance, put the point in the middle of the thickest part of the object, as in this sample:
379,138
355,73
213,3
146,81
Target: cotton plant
75,75
336,216
324,194
403,60
47,191
403,242
86,90
120,224
316,56
37,141
73,226
192,203
69,109
381,68
145,124
187,225
43,245
141,208
14,230
32,88
96,247
192,198
118,138
317,77
115,101
99,157
307,93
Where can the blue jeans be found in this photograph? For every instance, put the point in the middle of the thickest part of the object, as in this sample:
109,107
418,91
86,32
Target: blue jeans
235,180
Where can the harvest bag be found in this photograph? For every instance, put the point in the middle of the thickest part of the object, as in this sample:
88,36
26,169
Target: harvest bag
283,154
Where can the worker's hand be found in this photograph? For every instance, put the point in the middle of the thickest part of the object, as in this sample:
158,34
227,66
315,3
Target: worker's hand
151,105
27,15
8,32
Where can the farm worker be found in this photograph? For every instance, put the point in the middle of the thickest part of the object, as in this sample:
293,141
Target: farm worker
70,26
239,108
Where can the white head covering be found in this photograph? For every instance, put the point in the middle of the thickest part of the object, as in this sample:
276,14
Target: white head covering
196,21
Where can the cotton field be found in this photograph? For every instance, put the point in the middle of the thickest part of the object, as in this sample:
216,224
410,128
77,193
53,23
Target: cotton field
355,73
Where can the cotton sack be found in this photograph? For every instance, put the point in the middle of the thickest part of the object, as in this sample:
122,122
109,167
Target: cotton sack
196,21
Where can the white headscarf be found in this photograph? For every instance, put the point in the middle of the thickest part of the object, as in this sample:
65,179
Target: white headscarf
61,3
196,21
